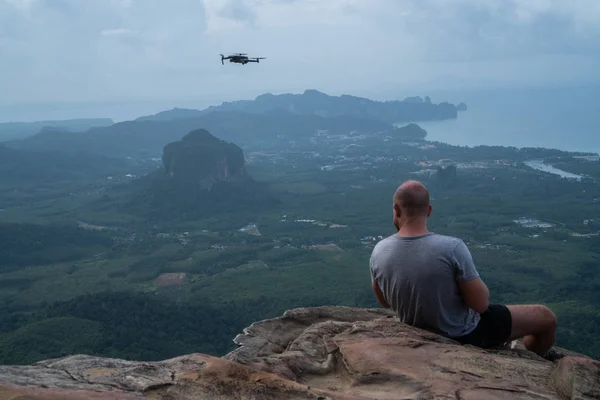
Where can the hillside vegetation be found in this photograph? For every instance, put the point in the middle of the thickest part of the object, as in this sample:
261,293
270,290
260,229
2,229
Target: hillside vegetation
155,262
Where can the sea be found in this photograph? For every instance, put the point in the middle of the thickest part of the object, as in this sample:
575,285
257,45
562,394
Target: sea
565,118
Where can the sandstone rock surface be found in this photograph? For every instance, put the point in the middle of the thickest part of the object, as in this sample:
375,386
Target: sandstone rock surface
322,353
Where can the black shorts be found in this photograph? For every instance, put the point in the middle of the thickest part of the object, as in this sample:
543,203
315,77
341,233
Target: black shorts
493,330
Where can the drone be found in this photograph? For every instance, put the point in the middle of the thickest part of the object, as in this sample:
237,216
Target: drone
240,58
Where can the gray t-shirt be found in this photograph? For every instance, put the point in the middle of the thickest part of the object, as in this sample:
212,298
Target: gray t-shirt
418,277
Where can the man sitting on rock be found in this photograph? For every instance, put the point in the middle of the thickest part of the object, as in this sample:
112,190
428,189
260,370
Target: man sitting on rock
431,282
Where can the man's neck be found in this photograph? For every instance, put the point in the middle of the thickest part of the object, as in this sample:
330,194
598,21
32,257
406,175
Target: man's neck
416,228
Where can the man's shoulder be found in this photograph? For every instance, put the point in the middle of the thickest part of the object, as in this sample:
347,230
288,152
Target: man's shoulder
447,244
386,241
383,246
446,239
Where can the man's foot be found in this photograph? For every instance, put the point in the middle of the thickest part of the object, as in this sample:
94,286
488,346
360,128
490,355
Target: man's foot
553,355
508,345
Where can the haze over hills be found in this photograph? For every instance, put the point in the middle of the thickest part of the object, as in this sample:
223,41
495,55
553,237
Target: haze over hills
124,139
19,167
318,103
17,130
314,102
147,138
266,117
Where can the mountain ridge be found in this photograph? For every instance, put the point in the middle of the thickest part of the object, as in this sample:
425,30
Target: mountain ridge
19,130
147,138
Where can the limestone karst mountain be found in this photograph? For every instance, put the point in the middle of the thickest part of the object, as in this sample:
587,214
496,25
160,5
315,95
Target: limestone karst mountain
322,353
201,175
202,160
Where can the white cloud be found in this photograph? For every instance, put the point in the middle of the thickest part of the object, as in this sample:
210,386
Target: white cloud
117,32
21,5
143,49
223,14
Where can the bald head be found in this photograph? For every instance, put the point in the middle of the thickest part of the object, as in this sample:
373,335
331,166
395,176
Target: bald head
412,197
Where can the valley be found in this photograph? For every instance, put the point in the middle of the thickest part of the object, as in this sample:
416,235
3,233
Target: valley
106,265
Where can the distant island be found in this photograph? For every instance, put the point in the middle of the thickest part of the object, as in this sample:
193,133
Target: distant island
314,102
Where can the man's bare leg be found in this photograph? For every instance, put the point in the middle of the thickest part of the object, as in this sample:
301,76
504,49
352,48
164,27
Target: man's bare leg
536,324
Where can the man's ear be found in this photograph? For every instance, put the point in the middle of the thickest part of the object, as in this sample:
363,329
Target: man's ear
429,211
397,210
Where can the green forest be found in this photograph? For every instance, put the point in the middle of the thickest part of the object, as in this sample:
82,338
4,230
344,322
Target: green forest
135,268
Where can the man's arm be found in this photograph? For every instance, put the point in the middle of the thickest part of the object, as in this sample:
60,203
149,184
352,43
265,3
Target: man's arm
474,292
376,289
379,295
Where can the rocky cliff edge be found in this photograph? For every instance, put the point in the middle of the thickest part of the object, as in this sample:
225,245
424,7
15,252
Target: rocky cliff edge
321,353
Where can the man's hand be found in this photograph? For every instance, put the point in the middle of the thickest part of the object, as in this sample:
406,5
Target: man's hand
476,294
379,295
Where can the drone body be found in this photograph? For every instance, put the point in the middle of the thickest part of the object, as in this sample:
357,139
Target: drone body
240,58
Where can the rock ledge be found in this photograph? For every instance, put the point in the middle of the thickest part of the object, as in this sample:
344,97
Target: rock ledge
323,353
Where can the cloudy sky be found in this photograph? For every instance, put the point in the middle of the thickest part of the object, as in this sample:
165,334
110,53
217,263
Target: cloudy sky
131,50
